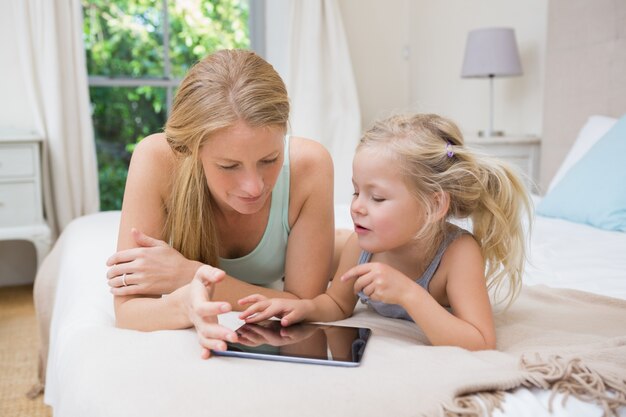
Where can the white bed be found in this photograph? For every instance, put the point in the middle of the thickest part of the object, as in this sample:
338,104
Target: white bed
95,369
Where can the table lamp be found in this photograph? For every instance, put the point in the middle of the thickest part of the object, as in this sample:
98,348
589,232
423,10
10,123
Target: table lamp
489,53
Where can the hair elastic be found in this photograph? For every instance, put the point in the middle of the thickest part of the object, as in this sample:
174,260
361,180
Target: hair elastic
449,151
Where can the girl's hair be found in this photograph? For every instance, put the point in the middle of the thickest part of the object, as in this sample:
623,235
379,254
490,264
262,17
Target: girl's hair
225,87
430,152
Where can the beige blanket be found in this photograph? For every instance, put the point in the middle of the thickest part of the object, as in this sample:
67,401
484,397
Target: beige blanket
564,340
567,341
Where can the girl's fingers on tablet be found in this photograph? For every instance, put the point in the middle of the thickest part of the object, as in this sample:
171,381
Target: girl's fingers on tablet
254,298
260,316
254,309
293,317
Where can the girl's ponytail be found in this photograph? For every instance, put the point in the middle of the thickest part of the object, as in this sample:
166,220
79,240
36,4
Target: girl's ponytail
498,224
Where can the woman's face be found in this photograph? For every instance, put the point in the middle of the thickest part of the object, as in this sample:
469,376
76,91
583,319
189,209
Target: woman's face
241,165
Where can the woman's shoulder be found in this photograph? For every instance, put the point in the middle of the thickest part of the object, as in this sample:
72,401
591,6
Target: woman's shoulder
311,167
307,156
310,163
153,161
156,148
311,178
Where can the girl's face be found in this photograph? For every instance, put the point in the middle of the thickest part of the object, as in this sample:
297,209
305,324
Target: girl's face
241,165
386,216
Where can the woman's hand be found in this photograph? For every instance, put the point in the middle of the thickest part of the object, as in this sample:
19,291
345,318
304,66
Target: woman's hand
288,310
203,311
380,282
153,268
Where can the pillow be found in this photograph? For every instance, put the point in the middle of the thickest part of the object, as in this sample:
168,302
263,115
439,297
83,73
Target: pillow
591,132
593,191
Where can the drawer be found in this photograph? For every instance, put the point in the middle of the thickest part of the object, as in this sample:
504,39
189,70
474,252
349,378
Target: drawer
19,204
17,161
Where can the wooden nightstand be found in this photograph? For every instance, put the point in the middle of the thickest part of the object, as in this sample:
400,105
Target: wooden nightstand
520,151
21,202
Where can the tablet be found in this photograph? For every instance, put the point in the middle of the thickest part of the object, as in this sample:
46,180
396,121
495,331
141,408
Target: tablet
322,344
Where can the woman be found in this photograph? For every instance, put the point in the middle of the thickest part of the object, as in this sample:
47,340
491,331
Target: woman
223,187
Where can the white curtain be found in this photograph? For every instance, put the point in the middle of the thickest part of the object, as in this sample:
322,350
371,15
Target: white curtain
321,85
52,61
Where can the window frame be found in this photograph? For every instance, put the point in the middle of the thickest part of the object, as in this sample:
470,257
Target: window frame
256,30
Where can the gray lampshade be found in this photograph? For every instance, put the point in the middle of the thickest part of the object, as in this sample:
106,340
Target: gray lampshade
491,52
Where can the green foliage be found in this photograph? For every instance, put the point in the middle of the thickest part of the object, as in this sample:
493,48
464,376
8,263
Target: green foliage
124,38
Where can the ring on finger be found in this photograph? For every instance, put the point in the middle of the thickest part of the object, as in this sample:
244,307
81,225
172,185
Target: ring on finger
124,280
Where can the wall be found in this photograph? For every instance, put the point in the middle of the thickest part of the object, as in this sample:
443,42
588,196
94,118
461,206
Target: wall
438,34
407,54
14,106
589,40
17,258
378,38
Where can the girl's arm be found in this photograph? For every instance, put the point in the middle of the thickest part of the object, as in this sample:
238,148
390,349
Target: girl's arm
336,304
470,324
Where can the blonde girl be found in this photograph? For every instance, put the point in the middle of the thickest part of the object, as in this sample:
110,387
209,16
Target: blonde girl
223,186
412,175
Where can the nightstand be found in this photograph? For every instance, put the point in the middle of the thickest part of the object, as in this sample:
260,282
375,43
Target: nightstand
521,151
21,202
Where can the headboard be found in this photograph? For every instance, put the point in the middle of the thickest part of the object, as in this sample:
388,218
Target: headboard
585,72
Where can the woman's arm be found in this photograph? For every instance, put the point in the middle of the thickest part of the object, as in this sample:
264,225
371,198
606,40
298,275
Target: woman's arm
143,209
150,264
311,216
188,306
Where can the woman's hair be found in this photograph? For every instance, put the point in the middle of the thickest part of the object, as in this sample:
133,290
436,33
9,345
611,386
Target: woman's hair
226,87
431,154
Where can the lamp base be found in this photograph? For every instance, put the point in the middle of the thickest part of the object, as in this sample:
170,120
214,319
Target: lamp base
483,133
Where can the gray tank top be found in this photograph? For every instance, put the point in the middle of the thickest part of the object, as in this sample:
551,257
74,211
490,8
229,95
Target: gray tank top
394,310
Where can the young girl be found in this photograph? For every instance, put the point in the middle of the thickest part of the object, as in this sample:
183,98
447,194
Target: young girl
411,175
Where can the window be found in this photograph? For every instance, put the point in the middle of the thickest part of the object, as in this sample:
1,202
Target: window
137,53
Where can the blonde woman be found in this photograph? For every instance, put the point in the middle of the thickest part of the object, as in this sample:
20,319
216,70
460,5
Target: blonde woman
412,175
223,187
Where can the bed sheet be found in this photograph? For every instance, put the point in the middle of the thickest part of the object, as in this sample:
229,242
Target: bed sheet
564,254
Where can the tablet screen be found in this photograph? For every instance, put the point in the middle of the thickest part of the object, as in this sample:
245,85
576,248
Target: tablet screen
305,342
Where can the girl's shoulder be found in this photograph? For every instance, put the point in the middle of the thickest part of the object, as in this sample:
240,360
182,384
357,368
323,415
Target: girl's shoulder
460,241
463,253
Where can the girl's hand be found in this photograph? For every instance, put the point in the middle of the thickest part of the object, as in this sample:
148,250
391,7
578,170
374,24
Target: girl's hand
260,334
154,268
203,311
380,282
288,310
